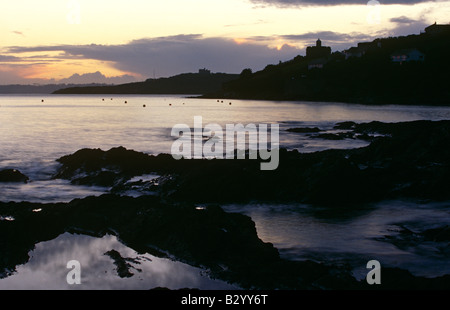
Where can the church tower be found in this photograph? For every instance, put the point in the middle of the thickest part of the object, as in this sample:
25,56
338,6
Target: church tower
318,51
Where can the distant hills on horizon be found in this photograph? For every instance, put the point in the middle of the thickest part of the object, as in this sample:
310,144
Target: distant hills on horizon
76,80
199,83
186,83
38,89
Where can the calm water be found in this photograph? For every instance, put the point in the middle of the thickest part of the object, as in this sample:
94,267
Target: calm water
47,268
33,134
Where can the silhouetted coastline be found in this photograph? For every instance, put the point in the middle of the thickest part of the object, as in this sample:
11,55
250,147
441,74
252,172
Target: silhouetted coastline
188,83
410,70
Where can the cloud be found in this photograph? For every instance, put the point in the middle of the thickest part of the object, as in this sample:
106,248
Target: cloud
290,3
20,33
329,36
406,26
171,55
402,20
97,77
167,56
8,58
10,75
336,40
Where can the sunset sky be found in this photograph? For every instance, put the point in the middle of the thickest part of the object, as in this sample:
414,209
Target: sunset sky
52,40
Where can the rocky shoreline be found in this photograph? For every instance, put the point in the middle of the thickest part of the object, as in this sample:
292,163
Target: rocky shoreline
403,160
179,212
226,244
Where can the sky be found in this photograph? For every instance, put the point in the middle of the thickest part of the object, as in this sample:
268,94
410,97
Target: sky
117,41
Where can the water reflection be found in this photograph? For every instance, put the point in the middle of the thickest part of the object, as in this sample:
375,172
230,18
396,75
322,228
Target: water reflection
46,269
299,232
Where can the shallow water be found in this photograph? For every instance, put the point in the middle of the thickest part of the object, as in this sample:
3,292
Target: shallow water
47,268
35,133
352,238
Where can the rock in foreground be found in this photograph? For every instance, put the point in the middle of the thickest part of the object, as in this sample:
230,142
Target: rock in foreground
12,175
224,243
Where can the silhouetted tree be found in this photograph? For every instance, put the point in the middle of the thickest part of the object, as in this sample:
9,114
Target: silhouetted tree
246,73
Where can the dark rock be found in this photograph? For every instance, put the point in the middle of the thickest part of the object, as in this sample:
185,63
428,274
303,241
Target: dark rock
400,279
437,240
440,234
225,243
97,167
304,130
122,264
334,136
345,125
410,159
13,175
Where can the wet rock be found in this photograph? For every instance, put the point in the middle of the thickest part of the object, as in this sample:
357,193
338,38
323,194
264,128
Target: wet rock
13,176
436,241
304,129
400,279
334,136
224,243
410,159
123,264
345,125
108,168
440,234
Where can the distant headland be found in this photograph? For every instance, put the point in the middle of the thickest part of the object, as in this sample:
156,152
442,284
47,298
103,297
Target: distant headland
199,83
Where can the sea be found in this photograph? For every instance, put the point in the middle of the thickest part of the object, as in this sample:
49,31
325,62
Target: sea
35,130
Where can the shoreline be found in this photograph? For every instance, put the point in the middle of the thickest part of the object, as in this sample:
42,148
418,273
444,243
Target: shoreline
182,214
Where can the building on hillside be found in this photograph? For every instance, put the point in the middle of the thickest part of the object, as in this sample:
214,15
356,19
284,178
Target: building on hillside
407,55
353,52
361,49
204,71
318,51
317,63
436,29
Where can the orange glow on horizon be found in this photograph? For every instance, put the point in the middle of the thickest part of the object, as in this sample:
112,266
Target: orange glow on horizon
65,69
240,41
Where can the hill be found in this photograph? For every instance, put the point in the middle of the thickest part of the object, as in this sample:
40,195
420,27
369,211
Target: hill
396,70
188,83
